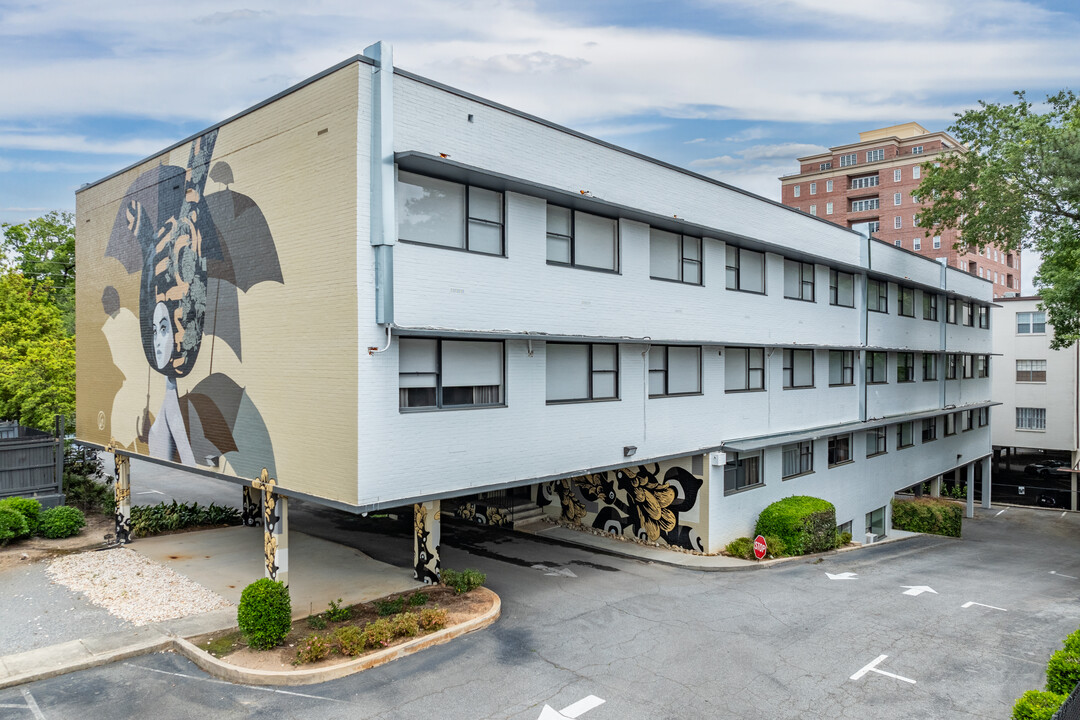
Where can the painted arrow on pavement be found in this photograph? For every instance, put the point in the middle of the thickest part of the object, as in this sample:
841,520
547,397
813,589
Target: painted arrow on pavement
842,576
571,711
918,590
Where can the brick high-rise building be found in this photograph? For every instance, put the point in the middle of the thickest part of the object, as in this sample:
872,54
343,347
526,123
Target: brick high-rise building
871,181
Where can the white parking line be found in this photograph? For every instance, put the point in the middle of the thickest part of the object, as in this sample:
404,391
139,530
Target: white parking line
1063,513
1001,511
872,668
1055,572
224,682
32,704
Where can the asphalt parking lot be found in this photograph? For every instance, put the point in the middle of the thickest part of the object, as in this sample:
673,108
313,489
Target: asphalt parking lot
801,640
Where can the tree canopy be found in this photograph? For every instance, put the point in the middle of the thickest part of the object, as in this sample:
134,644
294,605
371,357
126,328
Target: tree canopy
1018,186
43,251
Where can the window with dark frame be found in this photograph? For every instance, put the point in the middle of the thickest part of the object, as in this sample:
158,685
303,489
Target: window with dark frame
798,280
905,435
839,449
950,424
905,301
744,369
797,459
929,430
580,372
984,417
1031,371
674,257
1030,418
984,317
982,366
905,367
742,470
745,270
929,306
950,311
877,368
841,367
441,213
968,364
577,239
876,440
841,288
674,370
929,366
798,369
877,296
442,374
969,314
950,366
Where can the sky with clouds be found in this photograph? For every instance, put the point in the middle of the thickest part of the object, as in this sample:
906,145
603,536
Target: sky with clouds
733,89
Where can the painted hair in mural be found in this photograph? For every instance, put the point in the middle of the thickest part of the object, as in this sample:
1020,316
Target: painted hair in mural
194,252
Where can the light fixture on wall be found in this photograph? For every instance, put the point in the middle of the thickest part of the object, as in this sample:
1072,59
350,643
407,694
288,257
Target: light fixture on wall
629,450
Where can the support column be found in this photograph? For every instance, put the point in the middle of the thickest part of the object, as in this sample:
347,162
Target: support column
935,487
969,470
252,512
427,529
122,495
275,529
985,482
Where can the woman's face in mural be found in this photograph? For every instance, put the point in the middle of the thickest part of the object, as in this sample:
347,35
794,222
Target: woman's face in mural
162,335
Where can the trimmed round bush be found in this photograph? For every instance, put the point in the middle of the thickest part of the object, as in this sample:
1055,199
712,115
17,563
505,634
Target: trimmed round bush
1072,642
61,522
265,613
29,508
1062,672
12,525
804,524
1036,705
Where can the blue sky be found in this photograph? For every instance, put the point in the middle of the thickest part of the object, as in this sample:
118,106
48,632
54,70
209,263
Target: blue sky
732,89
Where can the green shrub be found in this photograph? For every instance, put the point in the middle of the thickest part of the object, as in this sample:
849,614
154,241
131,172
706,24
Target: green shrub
29,508
85,483
153,519
804,524
12,525
312,648
740,547
1072,642
350,640
927,515
844,539
386,608
463,581
418,598
317,622
61,522
433,619
265,613
1035,705
379,633
336,613
1062,672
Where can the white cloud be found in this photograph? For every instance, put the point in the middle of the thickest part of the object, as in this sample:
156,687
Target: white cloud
621,130
748,135
695,140
757,168
80,144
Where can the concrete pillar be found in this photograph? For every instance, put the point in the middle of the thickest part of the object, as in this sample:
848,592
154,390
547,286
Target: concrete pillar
252,512
970,472
122,495
935,487
275,529
985,482
427,527
1075,460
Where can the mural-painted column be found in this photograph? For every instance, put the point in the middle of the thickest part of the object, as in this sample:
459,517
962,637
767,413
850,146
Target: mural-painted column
275,529
251,507
122,494
427,527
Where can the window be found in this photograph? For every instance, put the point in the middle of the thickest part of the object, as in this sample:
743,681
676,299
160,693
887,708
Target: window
841,367
875,441
877,296
744,369
984,317
950,366
798,459
828,183
674,257
968,419
745,270
896,201
825,166
916,172
905,301
742,470
841,288
579,239
446,214
848,160
982,366
937,242
950,311
875,155
929,366
897,224
917,243
813,210
984,417
929,306
828,208
1031,323
798,190
577,372
865,181
875,522
864,205
917,150
969,313
950,424
898,242
798,369
914,221
929,430
1030,371
905,435
968,362
1029,418
674,370
873,226
897,175
813,188
839,449
905,367
798,280
449,373
877,368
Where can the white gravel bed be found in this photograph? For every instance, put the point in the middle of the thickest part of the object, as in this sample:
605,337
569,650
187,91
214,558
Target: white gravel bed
133,588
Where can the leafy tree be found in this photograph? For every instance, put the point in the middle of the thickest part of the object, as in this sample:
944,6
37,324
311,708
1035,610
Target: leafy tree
37,356
43,250
1018,186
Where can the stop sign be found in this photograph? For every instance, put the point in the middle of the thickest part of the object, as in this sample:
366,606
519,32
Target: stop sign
760,548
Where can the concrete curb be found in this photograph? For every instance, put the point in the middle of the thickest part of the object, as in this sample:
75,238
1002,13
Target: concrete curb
77,655
246,676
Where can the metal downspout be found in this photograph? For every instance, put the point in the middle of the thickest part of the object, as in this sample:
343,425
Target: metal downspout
383,221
